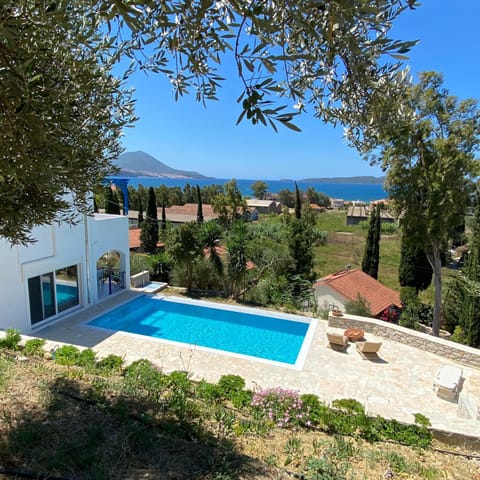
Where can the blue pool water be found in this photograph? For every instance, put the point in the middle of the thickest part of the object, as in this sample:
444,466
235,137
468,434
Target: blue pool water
244,333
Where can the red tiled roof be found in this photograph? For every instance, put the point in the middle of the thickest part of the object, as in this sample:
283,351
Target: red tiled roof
134,238
351,283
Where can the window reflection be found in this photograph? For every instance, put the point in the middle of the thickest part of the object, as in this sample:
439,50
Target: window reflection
66,282
52,293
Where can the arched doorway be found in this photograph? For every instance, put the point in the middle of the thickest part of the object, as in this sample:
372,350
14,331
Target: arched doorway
110,275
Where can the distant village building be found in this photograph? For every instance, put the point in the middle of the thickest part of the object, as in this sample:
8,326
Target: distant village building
264,206
356,214
361,213
337,202
317,208
178,214
336,290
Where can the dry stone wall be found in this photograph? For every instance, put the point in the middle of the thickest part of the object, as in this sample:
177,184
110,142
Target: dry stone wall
445,348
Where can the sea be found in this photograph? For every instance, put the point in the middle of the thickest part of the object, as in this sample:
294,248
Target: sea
364,192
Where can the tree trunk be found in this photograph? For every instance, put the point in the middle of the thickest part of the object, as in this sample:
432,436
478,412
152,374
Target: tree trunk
436,262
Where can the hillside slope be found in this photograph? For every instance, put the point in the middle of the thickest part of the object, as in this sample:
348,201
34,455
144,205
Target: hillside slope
141,164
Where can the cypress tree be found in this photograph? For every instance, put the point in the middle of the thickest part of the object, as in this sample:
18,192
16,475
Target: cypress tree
462,301
140,211
200,206
371,256
469,314
415,269
298,203
376,242
164,217
149,233
369,249
111,202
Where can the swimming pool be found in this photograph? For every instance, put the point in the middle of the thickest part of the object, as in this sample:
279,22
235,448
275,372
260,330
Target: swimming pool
247,332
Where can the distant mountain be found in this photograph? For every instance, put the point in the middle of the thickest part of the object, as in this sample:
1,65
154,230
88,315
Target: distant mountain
141,164
365,179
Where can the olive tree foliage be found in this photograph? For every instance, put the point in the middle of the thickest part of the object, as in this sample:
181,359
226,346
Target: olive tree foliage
322,53
62,110
427,146
61,115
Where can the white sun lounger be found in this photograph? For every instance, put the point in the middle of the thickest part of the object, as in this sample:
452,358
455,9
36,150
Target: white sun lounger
448,380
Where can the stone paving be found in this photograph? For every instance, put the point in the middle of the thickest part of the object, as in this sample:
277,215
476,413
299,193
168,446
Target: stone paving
397,384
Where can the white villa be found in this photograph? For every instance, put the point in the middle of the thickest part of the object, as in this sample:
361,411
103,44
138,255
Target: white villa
67,269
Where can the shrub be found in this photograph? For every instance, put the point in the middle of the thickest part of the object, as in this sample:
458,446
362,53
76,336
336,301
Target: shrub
390,314
231,387
310,401
230,384
333,421
349,405
11,340
359,307
388,228
34,346
208,391
422,420
138,263
86,358
66,355
142,378
282,407
179,380
110,364
459,336
410,435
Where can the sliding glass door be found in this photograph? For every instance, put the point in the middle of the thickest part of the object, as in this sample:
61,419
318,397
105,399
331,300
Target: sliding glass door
52,293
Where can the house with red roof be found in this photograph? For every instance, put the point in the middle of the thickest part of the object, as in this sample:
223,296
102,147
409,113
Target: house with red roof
338,289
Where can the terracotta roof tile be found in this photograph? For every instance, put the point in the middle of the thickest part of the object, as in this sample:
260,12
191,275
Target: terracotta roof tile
351,283
134,238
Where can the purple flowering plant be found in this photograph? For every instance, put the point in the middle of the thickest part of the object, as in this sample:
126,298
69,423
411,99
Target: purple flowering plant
283,408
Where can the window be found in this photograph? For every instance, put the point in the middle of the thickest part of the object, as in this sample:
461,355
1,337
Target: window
52,293
66,286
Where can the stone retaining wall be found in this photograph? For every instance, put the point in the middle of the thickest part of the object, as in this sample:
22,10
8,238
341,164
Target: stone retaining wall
445,348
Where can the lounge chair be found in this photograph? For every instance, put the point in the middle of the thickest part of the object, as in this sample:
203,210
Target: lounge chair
368,348
448,381
337,340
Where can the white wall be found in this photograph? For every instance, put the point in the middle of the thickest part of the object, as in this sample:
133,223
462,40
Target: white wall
58,246
326,296
13,309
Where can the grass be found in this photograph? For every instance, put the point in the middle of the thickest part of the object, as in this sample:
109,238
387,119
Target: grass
346,245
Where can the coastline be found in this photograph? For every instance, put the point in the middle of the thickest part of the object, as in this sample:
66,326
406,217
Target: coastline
365,192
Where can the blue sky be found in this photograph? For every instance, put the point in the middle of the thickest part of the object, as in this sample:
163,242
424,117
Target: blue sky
187,136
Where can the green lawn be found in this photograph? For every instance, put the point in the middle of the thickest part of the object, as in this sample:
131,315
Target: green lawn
346,245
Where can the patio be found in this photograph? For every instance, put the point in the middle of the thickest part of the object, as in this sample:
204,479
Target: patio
398,384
